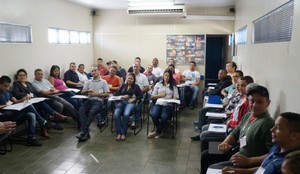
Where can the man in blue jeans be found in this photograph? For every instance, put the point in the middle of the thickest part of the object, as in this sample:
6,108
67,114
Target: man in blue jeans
97,89
192,80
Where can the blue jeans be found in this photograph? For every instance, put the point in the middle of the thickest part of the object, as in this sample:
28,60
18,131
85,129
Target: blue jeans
123,108
20,117
38,117
160,115
193,92
87,113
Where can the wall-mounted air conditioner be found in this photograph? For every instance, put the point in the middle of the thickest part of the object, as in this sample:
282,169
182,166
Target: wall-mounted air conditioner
174,10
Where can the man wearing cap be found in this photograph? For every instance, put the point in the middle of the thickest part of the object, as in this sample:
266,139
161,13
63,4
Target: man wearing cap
253,135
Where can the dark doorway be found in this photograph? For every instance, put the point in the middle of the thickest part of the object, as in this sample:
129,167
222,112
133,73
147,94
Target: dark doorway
215,51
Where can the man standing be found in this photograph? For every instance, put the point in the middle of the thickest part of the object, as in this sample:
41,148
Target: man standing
96,89
71,77
192,80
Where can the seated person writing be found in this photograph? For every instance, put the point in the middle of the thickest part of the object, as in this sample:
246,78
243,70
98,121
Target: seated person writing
27,114
22,88
71,77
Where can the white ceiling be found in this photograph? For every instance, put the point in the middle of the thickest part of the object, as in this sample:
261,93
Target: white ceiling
122,4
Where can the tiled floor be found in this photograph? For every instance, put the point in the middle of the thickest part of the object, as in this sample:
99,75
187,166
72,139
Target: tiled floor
102,154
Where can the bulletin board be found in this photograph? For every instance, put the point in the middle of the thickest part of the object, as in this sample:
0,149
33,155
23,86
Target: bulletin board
186,48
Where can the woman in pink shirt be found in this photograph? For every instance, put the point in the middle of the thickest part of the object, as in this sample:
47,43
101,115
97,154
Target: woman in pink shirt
55,80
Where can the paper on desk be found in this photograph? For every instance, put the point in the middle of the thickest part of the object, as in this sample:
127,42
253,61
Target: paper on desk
212,84
216,114
213,171
217,128
72,89
213,105
161,101
112,98
80,96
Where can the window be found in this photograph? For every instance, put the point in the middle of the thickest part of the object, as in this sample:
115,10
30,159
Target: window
241,36
276,26
62,36
14,33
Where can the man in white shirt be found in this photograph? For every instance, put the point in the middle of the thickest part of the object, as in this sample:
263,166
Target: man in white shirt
192,80
157,71
142,81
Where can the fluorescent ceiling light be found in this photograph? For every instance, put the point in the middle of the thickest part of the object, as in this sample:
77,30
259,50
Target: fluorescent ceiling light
135,4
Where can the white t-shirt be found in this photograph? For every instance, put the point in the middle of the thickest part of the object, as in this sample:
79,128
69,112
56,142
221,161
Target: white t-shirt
141,80
191,74
158,72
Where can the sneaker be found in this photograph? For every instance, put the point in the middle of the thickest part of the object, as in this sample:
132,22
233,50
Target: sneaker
197,129
80,135
196,138
132,126
33,142
196,122
157,136
85,137
152,134
101,124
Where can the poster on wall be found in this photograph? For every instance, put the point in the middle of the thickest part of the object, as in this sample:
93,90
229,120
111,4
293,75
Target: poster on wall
186,48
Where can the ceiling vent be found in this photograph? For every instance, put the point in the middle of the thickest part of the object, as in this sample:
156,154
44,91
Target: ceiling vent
174,10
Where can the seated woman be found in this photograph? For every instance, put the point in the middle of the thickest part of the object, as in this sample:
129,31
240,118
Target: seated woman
23,88
60,85
176,76
160,113
130,93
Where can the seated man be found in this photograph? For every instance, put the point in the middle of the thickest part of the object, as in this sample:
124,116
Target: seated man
44,88
71,77
286,136
97,89
192,80
143,83
224,81
253,133
102,69
157,71
17,116
139,61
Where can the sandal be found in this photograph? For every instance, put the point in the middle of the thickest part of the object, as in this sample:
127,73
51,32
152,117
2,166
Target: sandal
123,138
118,137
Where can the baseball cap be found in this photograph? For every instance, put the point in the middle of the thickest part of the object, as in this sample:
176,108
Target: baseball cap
261,90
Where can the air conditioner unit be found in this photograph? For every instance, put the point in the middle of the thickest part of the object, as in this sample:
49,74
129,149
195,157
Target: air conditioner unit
174,10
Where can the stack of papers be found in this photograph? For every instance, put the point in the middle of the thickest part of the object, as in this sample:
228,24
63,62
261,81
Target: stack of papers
71,89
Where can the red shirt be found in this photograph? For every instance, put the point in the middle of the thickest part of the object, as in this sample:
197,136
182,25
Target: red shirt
113,81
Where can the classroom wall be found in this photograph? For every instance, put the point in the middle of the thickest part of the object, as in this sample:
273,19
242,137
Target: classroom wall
122,37
274,65
42,14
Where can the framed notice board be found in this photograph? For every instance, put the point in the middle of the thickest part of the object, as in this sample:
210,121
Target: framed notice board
186,48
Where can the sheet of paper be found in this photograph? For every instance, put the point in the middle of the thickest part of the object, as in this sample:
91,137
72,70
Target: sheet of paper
161,101
37,99
212,84
211,87
213,105
72,89
80,96
217,128
18,106
112,98
216,114
213,171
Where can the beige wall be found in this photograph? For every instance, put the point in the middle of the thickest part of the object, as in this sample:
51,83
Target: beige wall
122,37
275,65
42,14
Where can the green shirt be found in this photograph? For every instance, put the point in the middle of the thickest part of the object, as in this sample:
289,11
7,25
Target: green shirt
258,134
